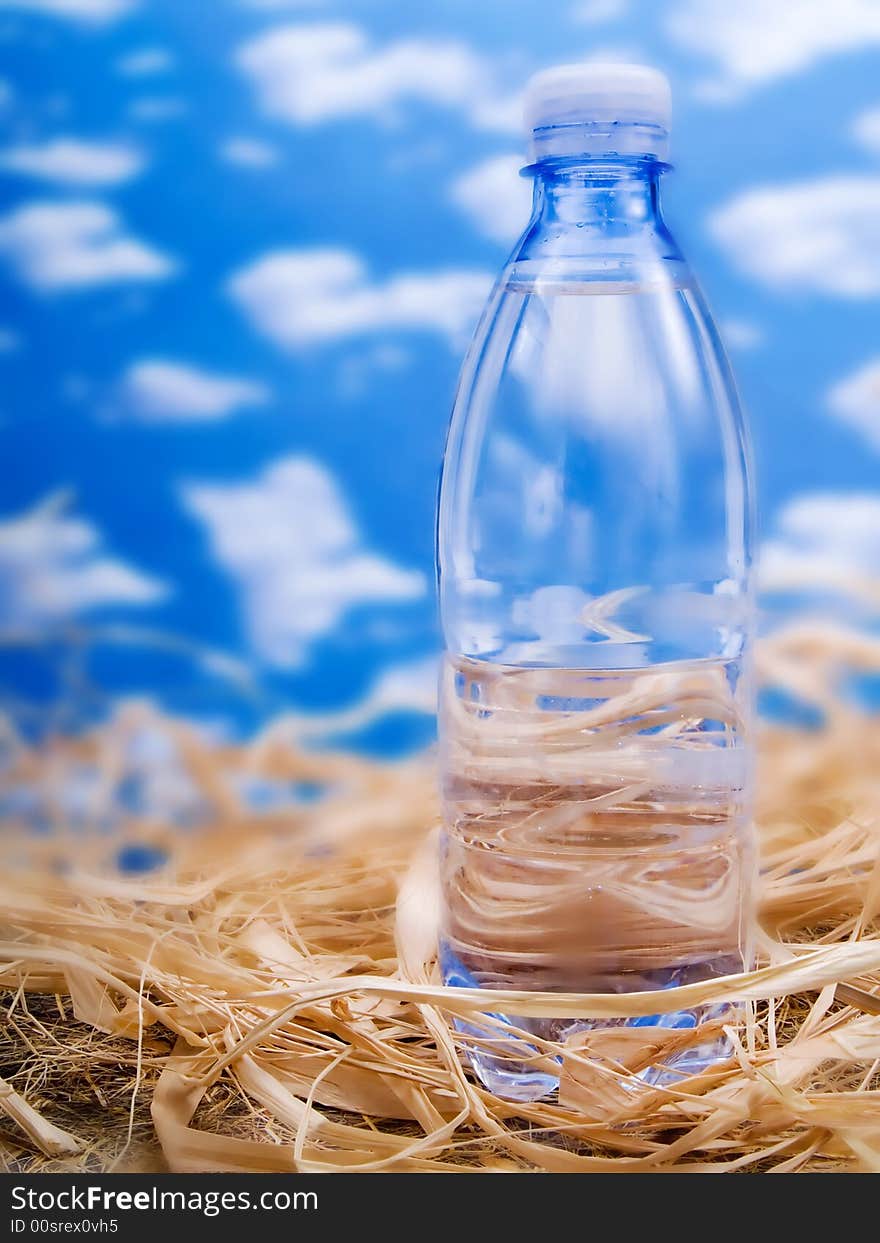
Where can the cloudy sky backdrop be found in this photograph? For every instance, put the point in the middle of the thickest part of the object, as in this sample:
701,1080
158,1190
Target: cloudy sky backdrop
242,246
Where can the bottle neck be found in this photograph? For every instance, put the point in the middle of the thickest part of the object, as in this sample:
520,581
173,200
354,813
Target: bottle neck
610,195
598,219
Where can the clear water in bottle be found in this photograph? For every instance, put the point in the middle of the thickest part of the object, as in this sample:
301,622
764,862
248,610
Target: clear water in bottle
594,568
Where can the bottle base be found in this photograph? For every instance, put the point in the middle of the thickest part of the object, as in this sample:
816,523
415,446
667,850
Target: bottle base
503,1080
504,1063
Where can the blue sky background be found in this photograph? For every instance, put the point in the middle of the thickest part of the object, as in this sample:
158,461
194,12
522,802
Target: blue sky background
242,245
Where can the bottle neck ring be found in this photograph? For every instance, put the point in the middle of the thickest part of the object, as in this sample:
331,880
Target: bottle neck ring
585,167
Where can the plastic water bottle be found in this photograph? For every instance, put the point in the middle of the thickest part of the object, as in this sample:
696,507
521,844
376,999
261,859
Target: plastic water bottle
595,529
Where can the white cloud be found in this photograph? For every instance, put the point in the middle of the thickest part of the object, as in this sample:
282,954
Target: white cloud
54,566
74,161
866,130
249,153
496,199
754,42
308,74
410,686
594,12
741,334
89,11
825,539
289,541
305,297
145,62
856,401
358,369
821,236
501,113
159,390
68,246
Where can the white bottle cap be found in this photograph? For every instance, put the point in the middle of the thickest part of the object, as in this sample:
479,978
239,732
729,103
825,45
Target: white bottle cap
596,109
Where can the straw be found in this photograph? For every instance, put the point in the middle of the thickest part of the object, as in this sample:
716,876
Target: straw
270,997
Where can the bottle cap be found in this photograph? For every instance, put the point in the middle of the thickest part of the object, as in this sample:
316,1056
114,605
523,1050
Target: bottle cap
597,109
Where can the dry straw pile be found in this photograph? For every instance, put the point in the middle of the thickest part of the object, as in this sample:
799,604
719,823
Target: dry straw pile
272,999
